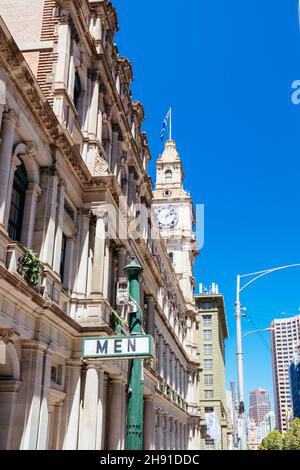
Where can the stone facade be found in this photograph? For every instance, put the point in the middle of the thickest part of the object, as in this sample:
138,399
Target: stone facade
213,394
73,173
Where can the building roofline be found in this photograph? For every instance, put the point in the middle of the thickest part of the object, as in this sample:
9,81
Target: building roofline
221,307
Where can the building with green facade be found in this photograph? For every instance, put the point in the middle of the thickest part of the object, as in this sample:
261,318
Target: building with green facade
213,333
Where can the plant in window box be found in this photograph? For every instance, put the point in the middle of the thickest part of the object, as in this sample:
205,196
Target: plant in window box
148,362
115,322
30,268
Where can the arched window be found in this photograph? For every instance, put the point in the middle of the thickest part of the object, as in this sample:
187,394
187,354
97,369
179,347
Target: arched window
168,177
77,90
17,203
171,256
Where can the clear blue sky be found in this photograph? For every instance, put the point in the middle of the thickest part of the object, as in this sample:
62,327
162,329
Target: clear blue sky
226,67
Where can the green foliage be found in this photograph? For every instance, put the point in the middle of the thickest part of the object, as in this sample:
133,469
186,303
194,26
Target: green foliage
115,322
272,442
30,267
291,440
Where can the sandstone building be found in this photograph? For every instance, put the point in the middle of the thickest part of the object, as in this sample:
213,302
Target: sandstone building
73,186
213,395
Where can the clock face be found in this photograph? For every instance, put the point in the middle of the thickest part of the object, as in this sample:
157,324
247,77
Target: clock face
167,217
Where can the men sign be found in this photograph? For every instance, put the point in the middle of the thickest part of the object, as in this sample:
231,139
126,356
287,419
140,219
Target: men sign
120,347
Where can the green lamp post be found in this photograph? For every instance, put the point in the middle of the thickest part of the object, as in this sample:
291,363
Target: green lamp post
134,428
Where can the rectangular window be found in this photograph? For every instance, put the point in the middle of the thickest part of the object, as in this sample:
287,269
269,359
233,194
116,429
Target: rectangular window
208,394
209,444
207,320
209,410
207,335
208,379
207,349
208,364
206,305
63,257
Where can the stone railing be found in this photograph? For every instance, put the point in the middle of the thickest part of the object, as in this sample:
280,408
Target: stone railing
169,392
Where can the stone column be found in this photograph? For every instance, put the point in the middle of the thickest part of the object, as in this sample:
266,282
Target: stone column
98,27
121,262
115,149
174,371
131,187
167,443
161,357
160,431
168,365
95,77
47,212
149,424
32,195
115,416
44,411
83,253
29,398
107,271
88,422
8,395
59,228
63,50
99,252
151,316
100,437
9,123
178,376
56,427
71,408
69,277
178,435
181,381
172,434
71,80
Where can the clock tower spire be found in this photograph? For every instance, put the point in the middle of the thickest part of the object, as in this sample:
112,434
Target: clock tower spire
174,213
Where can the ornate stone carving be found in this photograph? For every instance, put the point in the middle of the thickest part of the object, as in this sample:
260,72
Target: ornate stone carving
11,115
94,75
101,166
100,212
64,16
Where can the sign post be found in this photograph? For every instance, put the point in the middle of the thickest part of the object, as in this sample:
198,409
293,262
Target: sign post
134,427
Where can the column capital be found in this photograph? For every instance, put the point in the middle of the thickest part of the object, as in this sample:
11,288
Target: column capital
11,115
35,189
100,212
64,16
95,75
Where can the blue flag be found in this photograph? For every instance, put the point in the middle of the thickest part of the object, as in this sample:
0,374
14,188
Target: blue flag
165,125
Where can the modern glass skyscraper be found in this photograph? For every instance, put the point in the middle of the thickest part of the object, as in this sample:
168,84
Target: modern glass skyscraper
295,385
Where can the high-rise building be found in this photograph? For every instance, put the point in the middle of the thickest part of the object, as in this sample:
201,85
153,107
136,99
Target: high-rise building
213,396
295,385
268,425
74,186
285,338
259,405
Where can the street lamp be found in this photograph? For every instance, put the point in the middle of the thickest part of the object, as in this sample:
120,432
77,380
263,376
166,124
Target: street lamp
247,333
240,366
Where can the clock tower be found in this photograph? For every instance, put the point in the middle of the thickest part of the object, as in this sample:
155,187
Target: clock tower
174,214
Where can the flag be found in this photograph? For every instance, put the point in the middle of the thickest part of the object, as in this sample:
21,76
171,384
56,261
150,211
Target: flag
213,427
299,13
165,124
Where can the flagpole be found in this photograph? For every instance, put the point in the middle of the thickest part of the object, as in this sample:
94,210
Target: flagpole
170,130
